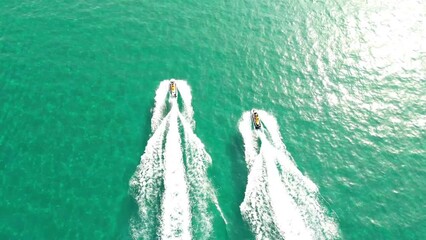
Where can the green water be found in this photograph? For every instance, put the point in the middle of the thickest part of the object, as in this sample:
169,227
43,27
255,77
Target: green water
346,81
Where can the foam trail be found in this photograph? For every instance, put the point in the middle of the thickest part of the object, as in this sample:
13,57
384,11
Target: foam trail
176,215
148,177
183,209
185,94
286,213
291,200
145,183
303,191
198,160
160,104
305,194
256,206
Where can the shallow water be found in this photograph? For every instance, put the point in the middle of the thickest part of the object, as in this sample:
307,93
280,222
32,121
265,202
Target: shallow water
346,81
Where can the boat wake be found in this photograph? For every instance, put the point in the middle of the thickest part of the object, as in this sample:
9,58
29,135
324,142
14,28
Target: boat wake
279,202
170,184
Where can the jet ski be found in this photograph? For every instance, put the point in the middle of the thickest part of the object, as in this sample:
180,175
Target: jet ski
255,118
173,89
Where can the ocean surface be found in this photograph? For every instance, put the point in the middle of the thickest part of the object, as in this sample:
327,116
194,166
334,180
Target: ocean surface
341,86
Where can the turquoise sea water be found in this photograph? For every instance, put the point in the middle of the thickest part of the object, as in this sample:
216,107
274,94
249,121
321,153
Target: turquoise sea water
346,81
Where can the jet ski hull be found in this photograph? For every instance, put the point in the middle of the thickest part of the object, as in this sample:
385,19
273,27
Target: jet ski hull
255,119
173,89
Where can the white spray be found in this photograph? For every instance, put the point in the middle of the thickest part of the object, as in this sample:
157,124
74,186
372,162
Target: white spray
277,192
186,186
176,216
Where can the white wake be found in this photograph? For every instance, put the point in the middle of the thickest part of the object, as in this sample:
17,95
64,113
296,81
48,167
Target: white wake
176,216
280,202
170,185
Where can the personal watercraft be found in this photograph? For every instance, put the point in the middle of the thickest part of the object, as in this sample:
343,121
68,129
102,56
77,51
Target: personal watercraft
173,89
255,119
